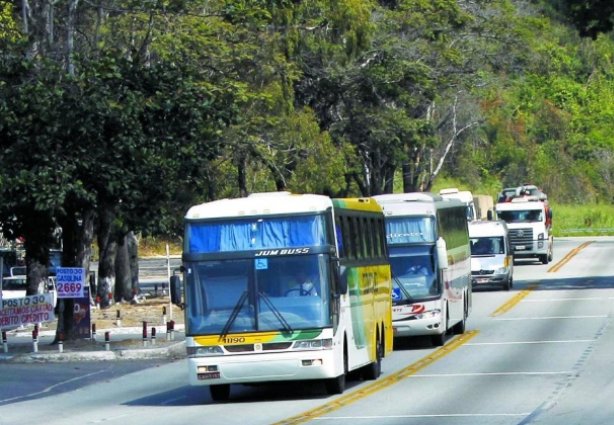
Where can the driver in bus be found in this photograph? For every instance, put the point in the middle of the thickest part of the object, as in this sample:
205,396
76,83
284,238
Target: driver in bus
302,285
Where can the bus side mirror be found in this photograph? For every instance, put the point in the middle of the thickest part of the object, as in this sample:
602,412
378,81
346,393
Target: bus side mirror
175,287
442,254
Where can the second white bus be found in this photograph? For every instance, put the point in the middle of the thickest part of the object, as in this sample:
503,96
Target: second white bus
430,258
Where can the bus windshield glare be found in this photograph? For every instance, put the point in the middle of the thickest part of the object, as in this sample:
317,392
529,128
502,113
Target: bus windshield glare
413,278
258,294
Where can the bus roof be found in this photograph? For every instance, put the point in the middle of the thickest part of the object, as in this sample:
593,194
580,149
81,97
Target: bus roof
415,203
259,204
361,204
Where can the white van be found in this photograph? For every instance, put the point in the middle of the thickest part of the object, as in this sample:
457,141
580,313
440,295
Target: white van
492,261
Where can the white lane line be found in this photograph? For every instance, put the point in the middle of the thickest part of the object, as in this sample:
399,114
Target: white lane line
601,316
464,375
548,300
571,341
449,415
46,390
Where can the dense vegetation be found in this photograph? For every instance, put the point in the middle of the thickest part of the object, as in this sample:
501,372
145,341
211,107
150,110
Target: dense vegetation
116,115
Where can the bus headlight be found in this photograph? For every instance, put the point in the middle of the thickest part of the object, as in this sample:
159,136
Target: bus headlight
214,350
429,314
540,236
315,344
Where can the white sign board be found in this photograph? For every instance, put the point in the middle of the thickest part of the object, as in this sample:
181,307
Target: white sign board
70,282
16,312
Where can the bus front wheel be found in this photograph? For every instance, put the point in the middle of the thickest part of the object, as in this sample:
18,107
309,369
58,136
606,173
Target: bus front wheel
220,392
337,385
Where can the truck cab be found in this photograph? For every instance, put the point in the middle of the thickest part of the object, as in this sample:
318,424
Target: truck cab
529,220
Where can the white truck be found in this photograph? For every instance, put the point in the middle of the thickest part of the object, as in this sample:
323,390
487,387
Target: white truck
529,221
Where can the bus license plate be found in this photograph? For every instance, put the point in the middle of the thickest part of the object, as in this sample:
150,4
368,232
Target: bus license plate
209,375
520,247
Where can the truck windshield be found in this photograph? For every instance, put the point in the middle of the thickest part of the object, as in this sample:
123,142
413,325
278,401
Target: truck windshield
413,278
521,216
257,294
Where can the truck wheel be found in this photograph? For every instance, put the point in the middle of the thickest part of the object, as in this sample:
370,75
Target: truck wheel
544,258
220,392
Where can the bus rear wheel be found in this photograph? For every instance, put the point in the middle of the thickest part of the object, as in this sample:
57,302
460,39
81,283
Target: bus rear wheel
220,392
373,370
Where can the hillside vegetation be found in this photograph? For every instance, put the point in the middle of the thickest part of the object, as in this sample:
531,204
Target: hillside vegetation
117,116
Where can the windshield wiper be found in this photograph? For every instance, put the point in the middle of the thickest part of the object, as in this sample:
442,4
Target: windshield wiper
276,312
401,287
235,312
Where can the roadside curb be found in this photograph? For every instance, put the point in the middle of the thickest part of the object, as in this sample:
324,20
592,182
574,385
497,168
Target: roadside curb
174,351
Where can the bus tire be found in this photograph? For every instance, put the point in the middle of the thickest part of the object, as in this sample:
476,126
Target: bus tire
337,385
373,370
459,328
440,339
220,392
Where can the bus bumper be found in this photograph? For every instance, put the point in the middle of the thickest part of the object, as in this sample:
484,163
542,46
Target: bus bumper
417,327
252,368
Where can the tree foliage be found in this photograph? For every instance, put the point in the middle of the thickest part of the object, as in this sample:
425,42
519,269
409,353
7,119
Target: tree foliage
122,114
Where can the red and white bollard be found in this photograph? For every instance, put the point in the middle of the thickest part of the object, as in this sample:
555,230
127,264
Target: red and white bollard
61,342
163,315
153,335
93,334
5,345
35,339
107,341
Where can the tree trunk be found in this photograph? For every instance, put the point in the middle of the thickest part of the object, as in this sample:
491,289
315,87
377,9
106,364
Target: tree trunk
77,252
133,258
107,245
123,278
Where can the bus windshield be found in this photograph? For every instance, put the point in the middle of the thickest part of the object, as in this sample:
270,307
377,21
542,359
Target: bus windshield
257,294
413,278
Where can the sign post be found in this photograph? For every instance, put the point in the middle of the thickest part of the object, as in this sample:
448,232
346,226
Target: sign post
71,283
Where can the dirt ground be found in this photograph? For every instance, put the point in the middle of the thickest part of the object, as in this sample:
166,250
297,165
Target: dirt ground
154,311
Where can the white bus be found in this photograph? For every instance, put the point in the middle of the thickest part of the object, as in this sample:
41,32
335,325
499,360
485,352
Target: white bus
465,196
248,320
430,257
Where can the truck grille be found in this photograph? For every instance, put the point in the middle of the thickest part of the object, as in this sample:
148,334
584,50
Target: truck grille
521,236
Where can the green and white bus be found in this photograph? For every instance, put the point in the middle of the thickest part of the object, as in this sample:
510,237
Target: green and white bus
246,321
430,256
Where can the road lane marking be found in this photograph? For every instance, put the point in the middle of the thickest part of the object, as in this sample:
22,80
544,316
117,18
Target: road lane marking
549,300
46,390
512,302
571,341
381,383
443,415
568,257
600,316
473,374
